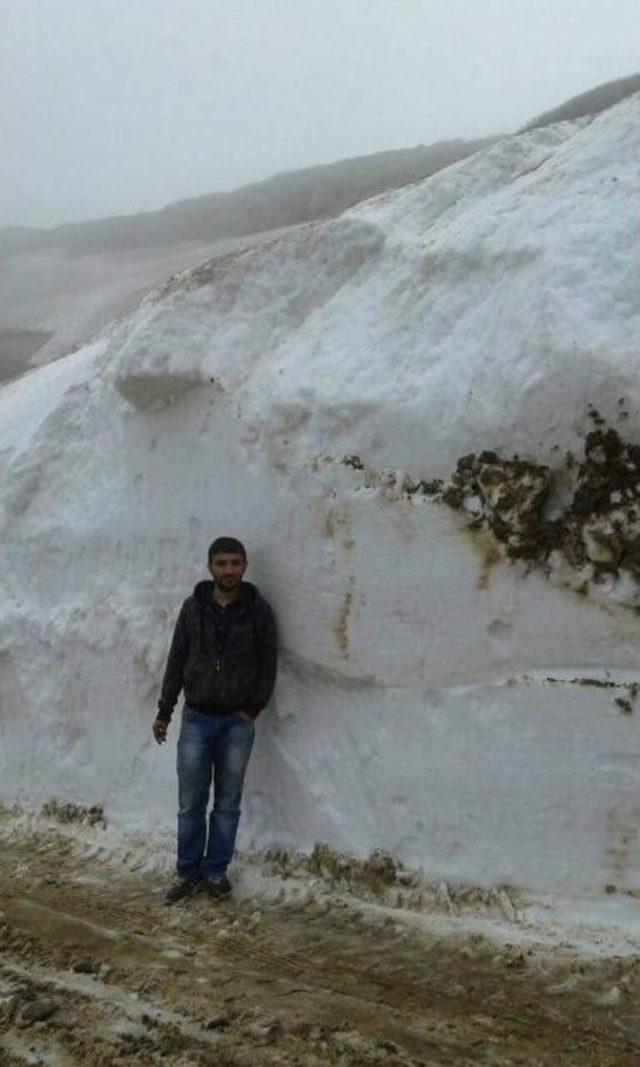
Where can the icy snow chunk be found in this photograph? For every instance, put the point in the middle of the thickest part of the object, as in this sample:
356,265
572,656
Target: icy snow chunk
214,322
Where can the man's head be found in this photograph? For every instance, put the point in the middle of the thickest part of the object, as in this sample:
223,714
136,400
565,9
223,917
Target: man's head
227,562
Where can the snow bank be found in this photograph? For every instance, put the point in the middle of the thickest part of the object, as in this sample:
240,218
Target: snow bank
433,700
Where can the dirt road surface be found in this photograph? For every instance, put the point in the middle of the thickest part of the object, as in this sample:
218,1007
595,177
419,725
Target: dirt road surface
96,970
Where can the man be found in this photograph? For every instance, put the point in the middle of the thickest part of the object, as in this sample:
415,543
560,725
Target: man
223,654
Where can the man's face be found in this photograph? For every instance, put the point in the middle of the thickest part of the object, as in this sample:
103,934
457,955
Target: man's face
227,569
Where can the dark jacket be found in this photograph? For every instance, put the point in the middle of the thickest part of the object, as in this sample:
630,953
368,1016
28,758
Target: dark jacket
223,658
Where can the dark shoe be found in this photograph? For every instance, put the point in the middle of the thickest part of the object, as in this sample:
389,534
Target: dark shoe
180,887
217,888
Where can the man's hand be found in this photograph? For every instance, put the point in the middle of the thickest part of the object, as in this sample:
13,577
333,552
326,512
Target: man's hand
160,730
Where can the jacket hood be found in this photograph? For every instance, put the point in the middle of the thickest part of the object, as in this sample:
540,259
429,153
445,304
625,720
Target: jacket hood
249,595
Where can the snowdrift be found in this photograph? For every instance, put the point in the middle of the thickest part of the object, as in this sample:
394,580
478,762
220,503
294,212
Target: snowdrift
437,698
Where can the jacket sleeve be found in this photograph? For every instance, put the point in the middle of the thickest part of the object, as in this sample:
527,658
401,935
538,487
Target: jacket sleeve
172,681
268,660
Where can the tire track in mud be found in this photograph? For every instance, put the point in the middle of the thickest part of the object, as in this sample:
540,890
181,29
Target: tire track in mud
448,1050
397,998
131,1004
396,995
243,958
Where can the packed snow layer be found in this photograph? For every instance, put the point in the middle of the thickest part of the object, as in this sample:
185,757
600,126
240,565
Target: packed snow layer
431,701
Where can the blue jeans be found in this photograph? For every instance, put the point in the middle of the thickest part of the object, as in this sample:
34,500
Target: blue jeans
222,744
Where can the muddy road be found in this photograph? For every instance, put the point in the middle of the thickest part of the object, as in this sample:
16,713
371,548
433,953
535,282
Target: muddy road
96,970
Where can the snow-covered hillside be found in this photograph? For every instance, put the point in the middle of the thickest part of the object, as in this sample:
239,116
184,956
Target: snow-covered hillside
434,699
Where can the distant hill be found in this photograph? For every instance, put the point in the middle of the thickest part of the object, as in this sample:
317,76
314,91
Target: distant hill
598,99
283,200
59,287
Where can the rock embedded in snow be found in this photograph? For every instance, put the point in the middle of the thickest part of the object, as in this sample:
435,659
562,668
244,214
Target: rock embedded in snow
217,1022
431,701
38,1010
86,967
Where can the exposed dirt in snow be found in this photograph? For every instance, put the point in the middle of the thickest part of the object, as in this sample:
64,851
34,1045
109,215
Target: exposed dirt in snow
579,522
596,533
96,970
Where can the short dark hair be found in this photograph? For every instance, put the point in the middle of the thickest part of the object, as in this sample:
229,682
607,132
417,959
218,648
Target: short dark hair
225,544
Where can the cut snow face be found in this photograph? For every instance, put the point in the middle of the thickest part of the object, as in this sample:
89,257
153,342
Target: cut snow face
418,708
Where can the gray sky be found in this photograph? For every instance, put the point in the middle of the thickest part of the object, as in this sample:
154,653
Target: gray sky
119,106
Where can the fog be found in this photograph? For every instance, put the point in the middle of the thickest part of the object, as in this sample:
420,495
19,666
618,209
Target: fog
121,106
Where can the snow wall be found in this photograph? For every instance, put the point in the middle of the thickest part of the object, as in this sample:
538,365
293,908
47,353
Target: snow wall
433,700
